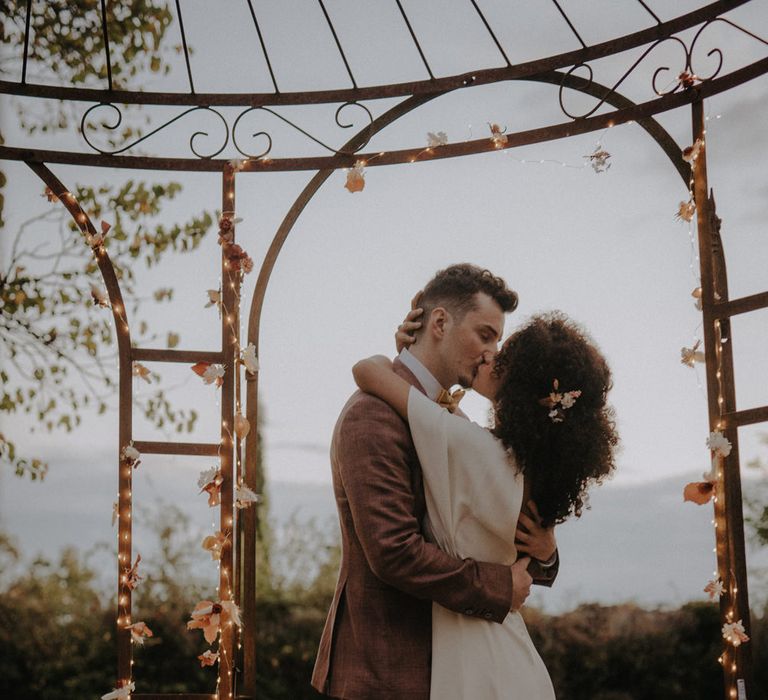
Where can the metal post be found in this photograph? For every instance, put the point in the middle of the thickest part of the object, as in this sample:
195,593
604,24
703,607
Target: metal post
721,399
229,282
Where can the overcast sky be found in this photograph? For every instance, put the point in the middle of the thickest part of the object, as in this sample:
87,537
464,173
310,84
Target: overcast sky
603,247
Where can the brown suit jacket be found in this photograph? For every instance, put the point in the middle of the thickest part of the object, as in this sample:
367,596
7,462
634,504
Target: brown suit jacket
376,644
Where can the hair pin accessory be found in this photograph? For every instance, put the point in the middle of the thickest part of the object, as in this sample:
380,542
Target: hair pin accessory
557,402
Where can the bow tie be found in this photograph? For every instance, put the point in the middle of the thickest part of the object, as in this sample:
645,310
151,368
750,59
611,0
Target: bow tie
450,400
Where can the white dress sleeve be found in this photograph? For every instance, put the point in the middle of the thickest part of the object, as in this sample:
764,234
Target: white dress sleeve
473,490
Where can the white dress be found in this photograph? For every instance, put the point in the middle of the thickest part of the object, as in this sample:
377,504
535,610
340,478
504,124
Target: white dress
474,494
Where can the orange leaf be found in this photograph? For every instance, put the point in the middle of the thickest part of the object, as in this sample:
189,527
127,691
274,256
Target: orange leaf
699,492
200,368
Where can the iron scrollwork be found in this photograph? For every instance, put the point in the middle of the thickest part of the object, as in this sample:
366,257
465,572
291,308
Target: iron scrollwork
265,152
685,78
115,120
84,125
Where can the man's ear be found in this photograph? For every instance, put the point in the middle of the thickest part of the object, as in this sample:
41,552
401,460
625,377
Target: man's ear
439,321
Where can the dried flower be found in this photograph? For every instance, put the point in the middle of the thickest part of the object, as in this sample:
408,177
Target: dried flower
141,371
686,79
689,356
598,159
691,153
97,239
206,477
120,692
211,374
237,258
99,297
130,455
699,492
356,177
558,402
249,358
213,544
214,297
115,513
686,210
735,633
210,481
132,577
208,658
714,588
227,229
696,294
245,496
719,444
498,137
209,616
50,195
139,631
436,140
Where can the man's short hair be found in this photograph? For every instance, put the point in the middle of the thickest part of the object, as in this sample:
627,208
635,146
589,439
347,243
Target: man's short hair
455,287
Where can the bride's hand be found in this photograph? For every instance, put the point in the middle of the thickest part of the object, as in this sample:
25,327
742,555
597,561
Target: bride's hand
404,335
532,538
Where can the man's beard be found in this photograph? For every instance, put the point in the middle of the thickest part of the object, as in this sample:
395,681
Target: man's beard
467,382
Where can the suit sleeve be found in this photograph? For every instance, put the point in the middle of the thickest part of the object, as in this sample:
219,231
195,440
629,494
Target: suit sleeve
373,452
544,576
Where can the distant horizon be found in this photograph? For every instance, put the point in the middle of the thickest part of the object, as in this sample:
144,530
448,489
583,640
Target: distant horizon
638,544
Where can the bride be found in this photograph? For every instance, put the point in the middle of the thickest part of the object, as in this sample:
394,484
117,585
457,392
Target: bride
553,436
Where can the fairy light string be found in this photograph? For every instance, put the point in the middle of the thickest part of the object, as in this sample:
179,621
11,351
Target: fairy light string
231,444
724,585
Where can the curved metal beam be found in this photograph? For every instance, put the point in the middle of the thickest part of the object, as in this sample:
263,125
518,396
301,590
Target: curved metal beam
252,447
420,87
252,385
651,126
84,223
125,476
596,122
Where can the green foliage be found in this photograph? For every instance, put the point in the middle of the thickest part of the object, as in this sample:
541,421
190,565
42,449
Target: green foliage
66,41
56,350
56,344
756,500
56,633
628,653
56,630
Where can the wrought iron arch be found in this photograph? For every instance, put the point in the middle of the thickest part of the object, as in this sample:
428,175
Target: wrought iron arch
717,308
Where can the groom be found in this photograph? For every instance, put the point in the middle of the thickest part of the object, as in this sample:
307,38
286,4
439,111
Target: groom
376,644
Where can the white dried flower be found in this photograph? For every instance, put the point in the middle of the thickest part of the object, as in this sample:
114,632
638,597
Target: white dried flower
719,444
436,140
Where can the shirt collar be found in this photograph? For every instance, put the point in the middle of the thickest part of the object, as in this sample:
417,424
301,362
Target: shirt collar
431,386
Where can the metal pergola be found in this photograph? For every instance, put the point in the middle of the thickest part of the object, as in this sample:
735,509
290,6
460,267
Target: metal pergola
671,88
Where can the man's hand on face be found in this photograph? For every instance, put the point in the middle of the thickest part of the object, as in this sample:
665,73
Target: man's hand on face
532,537
521,583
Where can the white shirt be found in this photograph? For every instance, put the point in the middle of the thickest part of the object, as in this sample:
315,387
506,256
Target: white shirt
425,377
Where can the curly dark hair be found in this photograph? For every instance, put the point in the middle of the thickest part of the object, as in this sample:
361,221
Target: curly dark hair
455,288
564,453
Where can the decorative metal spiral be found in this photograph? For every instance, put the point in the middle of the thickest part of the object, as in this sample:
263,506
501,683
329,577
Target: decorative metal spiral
683,79
119,120
716,51
627,73
269,142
